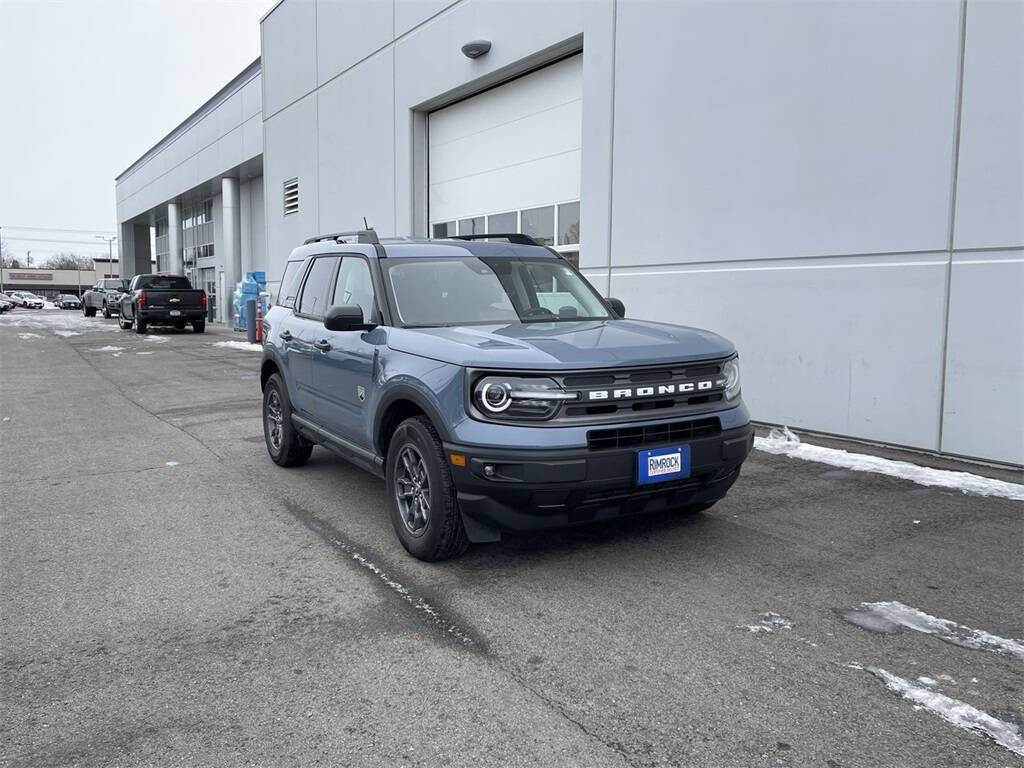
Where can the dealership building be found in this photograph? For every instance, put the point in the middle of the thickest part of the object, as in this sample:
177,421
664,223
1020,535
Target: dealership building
836,187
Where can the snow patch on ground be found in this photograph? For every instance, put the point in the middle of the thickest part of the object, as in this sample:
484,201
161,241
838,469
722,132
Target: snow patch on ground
54,321
890,616
108,348
244,345
927,681
65,334
960,714
157,339
145,353
171,463
768,622
29,335
783,442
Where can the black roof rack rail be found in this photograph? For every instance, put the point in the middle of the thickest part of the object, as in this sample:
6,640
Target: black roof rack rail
363,235
513,237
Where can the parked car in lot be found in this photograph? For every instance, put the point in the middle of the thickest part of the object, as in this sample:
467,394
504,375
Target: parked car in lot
6,303
493,388
27,299
67,301
162,300
104,296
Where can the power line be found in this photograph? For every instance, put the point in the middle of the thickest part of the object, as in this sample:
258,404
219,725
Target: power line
47,240
54,229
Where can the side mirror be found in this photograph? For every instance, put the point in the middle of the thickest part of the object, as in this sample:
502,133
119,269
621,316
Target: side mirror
346,317
616,306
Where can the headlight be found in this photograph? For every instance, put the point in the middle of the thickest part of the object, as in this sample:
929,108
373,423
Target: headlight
516,397
730,378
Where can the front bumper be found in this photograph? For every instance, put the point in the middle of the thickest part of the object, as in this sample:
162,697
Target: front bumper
535,489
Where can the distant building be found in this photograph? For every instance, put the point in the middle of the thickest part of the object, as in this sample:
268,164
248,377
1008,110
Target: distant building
835,186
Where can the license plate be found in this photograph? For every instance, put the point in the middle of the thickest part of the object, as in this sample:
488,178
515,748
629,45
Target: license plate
660,464
175,312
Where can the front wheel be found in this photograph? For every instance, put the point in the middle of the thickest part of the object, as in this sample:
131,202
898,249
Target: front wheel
284,444
424,509
90,311
106,311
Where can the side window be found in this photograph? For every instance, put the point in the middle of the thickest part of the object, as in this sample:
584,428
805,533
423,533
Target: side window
355,287
317,290
289,288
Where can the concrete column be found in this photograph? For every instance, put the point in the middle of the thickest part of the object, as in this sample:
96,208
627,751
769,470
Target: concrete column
141,252
174,251
232,229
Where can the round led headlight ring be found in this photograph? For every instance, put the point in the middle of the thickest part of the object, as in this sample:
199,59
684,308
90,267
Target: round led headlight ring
495,397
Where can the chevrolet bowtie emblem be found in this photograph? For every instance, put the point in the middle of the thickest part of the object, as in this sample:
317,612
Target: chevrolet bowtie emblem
175,300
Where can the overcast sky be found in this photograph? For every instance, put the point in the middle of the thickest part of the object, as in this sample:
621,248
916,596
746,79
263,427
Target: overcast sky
87,86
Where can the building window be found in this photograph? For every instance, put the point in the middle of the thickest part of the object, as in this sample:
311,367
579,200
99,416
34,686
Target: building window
444,229
539,223
569,223
503,223
474,226
291,196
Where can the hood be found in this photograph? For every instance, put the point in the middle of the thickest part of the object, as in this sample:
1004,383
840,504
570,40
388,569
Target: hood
562,345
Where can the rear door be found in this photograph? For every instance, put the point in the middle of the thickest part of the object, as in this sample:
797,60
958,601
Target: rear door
305,326
343,360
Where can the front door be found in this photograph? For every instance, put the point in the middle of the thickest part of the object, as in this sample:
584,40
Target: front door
343,360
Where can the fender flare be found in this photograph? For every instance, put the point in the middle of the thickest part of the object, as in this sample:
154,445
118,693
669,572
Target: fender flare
410,393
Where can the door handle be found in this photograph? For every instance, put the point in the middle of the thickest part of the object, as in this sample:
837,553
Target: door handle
323,345
285,335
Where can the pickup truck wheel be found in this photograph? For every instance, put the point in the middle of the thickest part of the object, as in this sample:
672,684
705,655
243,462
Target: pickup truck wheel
122,323
90,311
140,325
106,311
424,509
285,446
199,326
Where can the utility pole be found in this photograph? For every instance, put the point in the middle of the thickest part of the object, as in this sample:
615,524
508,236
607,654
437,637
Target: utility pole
110,253
2,265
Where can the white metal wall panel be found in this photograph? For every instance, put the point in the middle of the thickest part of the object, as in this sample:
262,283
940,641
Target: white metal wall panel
512,147
990,179
850,346
748,130
983,413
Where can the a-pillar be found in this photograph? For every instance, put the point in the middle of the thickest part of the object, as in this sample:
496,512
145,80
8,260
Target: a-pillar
232,244
174,252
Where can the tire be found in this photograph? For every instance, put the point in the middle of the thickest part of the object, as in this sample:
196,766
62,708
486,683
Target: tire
90,311
106,311
180,325
199,326
140,325
284,444
416,463
122,323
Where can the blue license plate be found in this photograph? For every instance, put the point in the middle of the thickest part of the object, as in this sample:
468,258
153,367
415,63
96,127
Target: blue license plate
660,464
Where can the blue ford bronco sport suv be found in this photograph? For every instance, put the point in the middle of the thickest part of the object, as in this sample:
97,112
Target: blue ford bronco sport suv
493,388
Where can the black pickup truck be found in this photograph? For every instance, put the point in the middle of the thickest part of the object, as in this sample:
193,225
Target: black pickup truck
162,300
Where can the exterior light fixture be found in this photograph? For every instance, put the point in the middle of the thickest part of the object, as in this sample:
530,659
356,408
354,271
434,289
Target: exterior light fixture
476,48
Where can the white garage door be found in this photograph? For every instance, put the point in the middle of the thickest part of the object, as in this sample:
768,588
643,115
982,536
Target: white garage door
508,160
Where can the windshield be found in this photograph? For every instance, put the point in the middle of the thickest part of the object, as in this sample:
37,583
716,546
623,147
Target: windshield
489,290
115,285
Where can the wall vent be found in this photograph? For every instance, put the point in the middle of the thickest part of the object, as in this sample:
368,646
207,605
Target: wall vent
291,196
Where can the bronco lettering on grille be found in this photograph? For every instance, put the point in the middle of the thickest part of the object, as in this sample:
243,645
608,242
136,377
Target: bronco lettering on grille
627,393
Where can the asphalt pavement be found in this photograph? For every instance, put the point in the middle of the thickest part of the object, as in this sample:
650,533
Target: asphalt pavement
168,596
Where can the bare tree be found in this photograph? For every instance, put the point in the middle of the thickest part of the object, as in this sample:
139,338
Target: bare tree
66,260
5,254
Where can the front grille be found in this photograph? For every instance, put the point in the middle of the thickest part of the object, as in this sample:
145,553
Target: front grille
652,434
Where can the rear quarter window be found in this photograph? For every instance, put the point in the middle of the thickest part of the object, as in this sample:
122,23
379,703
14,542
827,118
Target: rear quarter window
290,280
